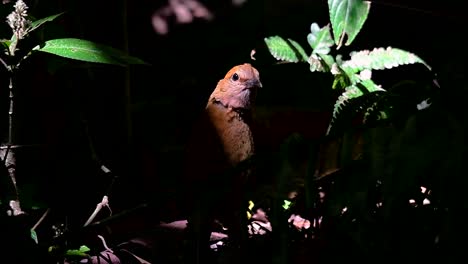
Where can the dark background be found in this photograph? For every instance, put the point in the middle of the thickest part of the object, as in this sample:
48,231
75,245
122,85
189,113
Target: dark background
58,100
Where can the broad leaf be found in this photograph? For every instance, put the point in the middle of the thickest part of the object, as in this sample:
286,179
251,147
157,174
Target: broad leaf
84,50
320,39
285,50
347,17
36,24
380,59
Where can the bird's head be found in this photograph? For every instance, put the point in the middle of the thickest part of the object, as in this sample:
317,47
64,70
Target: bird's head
238,88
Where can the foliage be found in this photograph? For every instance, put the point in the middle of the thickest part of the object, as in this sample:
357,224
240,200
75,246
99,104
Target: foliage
71,48
353,76
347,18
383,165
15,51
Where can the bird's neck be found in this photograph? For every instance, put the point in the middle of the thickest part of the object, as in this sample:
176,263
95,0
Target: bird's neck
241,112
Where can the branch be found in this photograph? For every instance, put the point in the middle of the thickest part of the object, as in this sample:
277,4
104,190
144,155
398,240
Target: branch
103,203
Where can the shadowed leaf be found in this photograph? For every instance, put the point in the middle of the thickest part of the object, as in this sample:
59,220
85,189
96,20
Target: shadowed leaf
36,24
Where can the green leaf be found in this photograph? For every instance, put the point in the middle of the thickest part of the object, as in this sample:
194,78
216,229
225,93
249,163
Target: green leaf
251,205
85,50
5,42
78,252
340,81
347,17
380,59
285,50
34,236
351,92
370,86
320,39
36,24
286,204
84,248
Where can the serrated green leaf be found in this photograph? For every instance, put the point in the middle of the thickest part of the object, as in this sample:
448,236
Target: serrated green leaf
353,92
299,49
370,86
320,39
85,50
380,59
347,18
37,23
285,50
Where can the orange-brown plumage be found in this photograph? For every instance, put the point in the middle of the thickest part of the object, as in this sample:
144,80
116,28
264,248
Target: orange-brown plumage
222,140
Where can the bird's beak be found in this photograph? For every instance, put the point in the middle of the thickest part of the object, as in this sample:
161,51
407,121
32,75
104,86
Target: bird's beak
254,83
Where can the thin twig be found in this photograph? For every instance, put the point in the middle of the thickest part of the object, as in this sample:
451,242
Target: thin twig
103,203
8,147
4,64
41,219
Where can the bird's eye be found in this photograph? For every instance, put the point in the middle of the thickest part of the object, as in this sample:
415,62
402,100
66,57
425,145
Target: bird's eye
235,77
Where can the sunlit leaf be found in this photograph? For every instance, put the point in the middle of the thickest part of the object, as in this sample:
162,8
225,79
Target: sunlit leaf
370,86
5,42
347,18
320,39
380,59
84,50
285,50
249,209
81,252
251,205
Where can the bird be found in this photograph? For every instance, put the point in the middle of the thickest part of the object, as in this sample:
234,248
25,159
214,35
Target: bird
222,142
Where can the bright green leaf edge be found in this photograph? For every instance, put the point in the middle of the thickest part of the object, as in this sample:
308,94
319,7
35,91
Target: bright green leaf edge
85,50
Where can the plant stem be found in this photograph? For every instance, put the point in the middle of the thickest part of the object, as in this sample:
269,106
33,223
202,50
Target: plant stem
10,113
9,155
